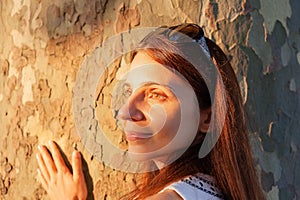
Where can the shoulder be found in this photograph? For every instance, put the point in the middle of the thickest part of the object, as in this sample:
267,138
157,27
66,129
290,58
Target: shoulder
205,184
165,195
198,186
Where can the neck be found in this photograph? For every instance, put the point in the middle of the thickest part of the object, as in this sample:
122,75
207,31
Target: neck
166,160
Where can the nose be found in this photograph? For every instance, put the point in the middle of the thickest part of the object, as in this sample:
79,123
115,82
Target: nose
132,109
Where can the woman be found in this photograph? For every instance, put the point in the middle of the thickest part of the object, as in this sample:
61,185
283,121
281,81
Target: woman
167,74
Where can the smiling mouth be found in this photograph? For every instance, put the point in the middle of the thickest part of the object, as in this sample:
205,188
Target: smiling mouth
134,136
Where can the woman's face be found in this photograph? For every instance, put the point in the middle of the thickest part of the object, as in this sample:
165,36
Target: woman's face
161,113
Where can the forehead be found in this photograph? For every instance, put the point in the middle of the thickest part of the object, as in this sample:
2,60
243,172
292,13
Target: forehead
144,69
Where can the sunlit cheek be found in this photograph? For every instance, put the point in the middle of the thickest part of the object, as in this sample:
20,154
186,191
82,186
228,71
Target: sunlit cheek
189,120
167,124
158,117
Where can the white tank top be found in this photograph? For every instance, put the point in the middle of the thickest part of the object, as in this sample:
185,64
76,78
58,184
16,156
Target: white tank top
198,186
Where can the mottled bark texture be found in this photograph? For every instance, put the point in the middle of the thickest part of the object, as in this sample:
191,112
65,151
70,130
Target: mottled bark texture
43,43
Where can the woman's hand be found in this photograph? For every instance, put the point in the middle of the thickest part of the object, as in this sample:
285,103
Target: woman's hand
55,176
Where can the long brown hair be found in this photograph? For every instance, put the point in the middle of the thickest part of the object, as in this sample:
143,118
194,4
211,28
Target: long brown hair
230,162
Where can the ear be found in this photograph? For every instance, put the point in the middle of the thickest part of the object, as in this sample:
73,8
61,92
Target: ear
205,116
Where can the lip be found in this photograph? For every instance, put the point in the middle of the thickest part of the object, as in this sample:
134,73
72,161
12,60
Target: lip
135,136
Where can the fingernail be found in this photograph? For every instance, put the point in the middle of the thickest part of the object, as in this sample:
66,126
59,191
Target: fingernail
76,154
37,156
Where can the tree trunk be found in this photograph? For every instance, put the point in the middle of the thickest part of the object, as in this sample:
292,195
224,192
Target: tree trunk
43,45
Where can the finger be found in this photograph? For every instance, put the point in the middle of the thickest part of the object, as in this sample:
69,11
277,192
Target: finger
49,163
77,166
43,168
58,159
42,180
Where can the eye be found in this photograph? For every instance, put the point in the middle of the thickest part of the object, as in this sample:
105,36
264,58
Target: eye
157,95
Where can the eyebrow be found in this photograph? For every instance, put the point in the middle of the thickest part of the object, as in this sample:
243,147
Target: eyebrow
149,83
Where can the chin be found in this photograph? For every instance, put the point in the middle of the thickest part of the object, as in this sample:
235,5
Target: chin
166,157
139,155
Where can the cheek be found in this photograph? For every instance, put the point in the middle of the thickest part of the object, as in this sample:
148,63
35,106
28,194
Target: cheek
172,120
158,116
188,120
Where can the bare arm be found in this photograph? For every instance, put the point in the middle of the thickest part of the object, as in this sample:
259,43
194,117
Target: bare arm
55,176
